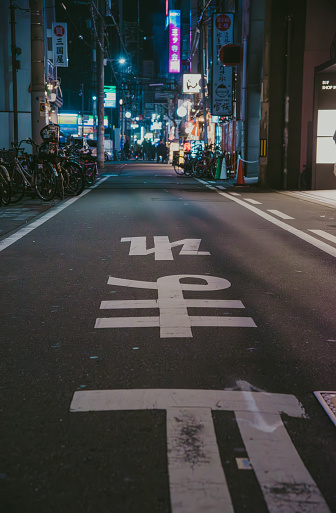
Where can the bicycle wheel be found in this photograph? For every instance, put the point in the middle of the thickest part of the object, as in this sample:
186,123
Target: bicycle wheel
212,169
18,185
90,174
177,167
76,178
198,168
46,182
60,185
5,185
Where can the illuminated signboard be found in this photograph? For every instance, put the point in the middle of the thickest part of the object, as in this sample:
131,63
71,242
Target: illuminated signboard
110,99
67,119
60,44
191,83
88,121
326,119
174,27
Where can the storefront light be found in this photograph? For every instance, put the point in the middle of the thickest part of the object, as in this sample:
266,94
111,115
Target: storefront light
181,111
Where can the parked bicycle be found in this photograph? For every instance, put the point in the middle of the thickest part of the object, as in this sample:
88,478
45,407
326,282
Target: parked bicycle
28,173
183,165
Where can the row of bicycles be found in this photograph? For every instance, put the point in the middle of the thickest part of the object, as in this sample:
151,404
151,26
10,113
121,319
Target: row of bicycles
46,171
201,162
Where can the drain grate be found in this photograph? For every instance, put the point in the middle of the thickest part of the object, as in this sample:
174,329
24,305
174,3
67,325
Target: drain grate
328,402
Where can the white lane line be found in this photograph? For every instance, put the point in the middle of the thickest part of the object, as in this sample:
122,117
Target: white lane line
196,477
325,235
35,224
280,214
235,194
254,202
221,187
298,233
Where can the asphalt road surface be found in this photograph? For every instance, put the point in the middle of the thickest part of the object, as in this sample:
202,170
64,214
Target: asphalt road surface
161,342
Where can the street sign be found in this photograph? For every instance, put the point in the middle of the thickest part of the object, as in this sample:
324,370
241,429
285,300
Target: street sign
221,98
191,83
110,99
60,44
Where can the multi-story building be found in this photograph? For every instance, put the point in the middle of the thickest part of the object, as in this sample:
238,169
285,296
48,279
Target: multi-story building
18,92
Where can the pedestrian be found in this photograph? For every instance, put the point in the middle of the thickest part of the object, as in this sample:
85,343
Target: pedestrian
161,151
126,149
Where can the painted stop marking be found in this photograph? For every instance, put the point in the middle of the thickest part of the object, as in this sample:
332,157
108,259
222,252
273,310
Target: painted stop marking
223,22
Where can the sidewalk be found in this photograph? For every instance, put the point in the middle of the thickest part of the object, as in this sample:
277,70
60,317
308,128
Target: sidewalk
325,197
15,215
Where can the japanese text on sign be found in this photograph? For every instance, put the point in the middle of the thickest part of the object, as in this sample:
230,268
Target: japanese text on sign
174,41
221,75
60,44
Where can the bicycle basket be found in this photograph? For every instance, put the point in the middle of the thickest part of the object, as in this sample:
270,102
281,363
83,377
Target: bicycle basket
50,133
8,156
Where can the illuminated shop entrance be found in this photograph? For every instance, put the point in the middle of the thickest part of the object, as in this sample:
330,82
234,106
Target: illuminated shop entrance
324,147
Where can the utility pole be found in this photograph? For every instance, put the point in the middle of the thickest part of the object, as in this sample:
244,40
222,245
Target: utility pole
100,84
203,28
265,96
82,95
38,105
14,70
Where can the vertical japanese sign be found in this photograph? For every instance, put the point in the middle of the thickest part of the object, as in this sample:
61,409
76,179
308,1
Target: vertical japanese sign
221,98
60,44
174,27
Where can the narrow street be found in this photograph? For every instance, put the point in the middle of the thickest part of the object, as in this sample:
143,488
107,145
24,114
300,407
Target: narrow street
162,338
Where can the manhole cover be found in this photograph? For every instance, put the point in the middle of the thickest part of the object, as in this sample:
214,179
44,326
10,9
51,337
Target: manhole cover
328,402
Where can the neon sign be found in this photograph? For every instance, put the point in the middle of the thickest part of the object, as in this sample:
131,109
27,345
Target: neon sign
174,20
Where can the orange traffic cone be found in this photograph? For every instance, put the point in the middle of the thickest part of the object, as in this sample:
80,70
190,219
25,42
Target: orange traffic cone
240,173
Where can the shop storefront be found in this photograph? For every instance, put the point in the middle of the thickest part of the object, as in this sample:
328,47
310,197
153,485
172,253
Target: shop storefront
324,140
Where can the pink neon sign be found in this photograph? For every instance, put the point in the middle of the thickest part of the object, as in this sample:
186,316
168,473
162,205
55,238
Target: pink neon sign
174,41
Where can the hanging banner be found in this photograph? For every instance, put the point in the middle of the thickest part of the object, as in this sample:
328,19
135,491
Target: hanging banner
174,28
60,44
221,97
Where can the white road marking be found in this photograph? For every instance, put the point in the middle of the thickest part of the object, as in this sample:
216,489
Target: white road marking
43,219
221,187
228,322
254,202
128,322
235,194
196,478
280,214
155,303
294,231
163,247
174,327
197,481
173,320
325,235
